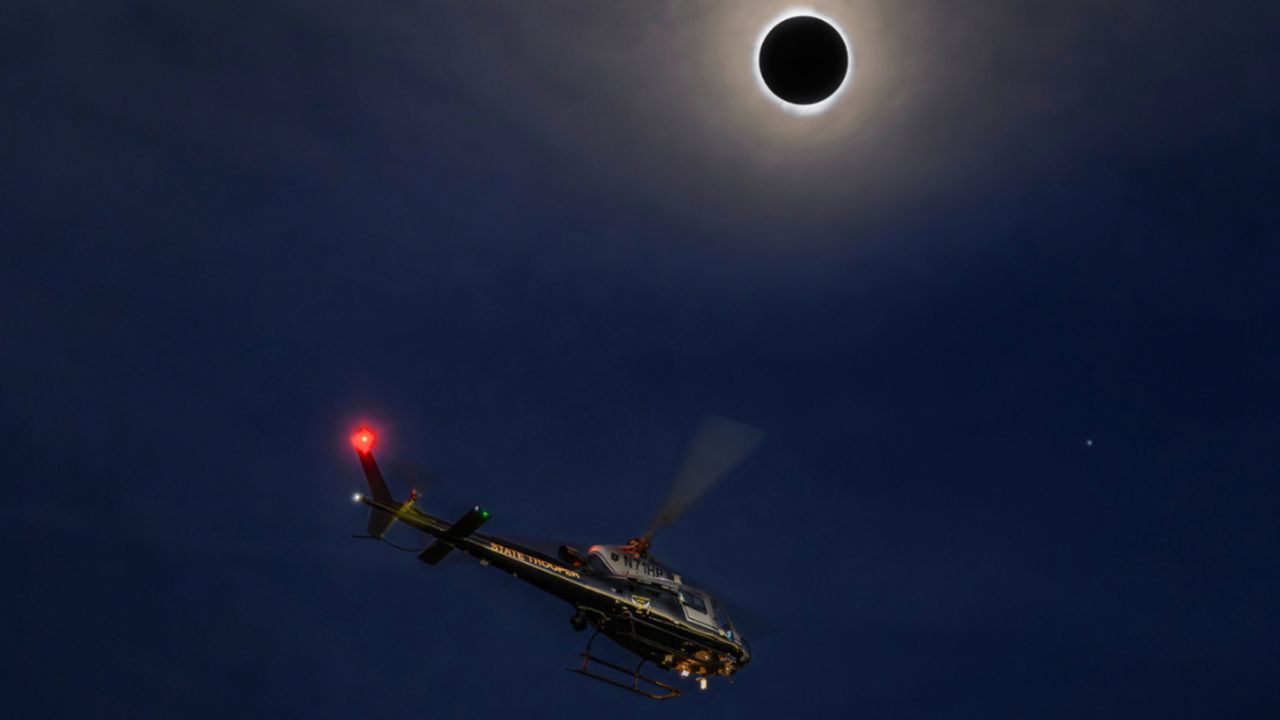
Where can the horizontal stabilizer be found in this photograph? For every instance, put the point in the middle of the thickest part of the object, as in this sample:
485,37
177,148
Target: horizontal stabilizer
463,528
434,554
468,523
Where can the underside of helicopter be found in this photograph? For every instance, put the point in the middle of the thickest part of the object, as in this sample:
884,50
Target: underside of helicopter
621,591
669,646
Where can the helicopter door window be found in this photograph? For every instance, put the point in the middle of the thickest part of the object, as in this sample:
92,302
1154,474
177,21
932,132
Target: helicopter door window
693,600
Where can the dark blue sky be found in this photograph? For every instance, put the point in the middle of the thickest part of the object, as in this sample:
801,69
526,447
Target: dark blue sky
533,243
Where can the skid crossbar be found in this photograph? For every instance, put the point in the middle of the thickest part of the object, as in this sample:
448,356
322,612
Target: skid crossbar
640,684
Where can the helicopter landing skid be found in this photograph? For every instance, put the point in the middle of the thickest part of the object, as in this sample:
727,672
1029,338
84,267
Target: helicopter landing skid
638,682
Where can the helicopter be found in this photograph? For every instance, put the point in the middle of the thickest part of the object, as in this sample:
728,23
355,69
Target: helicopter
621,591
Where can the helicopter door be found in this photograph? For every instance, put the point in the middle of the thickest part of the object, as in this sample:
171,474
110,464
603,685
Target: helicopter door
695,607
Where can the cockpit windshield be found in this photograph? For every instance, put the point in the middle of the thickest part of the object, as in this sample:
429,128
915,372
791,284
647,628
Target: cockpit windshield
722,617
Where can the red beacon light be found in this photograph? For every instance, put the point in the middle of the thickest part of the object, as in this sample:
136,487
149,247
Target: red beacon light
362,440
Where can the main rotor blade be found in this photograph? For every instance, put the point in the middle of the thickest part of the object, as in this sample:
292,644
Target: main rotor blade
718,445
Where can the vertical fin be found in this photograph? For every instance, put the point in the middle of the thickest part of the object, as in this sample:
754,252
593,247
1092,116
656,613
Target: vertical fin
379,520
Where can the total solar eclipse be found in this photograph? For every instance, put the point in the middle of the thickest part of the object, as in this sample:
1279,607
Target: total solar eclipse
803,60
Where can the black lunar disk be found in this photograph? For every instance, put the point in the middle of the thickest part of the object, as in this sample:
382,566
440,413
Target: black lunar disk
803,60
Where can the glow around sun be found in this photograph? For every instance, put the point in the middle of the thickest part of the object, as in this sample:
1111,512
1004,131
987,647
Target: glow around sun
792,108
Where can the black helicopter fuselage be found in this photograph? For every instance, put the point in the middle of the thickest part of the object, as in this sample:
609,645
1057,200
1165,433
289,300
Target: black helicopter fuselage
638,603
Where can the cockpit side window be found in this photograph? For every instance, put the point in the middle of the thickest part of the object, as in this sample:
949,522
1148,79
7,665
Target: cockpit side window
693,600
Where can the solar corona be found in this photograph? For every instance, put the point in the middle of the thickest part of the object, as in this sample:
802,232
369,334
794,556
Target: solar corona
803,62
